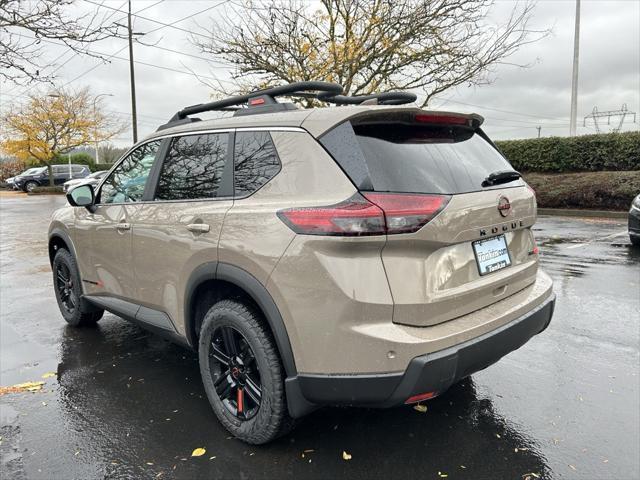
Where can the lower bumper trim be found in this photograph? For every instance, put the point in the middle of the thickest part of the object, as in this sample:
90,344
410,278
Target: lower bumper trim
433,372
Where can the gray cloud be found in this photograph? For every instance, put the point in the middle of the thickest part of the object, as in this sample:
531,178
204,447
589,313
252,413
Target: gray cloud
609,69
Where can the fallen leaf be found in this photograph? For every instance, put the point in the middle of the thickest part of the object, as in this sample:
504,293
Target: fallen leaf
49,374
309,450
211,458
603,461
149,463
442,475
22,387
44,404
498,435
462,466
346,456
198,452
572,467
420,408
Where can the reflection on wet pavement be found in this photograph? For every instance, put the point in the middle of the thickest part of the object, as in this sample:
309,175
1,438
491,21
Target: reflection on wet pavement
127,404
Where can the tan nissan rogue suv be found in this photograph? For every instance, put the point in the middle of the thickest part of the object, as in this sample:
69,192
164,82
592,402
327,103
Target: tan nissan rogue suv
371,253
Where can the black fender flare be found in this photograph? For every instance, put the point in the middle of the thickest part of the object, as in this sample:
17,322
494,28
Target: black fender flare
258,293
64,236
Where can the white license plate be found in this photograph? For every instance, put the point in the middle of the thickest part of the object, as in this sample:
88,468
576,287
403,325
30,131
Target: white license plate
491,254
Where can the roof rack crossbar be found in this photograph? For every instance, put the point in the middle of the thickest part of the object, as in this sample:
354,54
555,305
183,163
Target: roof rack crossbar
386,98
290,89
264,101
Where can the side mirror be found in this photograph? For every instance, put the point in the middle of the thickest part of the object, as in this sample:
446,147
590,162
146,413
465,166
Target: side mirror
82,196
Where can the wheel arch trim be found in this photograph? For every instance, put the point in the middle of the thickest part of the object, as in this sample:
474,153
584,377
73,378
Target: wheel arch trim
258,293
65,237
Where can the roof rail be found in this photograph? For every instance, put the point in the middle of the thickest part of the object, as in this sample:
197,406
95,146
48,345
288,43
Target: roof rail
264,101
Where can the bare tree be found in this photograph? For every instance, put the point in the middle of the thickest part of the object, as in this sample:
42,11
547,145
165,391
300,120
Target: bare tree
25,24
366,45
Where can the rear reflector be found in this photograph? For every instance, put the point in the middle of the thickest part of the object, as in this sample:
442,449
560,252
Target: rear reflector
371,214
443,119
420,397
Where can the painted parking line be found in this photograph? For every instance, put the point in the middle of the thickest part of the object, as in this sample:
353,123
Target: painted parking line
608,237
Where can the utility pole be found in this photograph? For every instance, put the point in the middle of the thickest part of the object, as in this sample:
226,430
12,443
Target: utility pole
95,130
574,77
539,128
134,117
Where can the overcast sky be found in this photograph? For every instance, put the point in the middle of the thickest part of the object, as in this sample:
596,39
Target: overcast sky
516,103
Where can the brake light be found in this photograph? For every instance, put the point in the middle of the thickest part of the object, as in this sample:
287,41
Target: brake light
442,119
371,214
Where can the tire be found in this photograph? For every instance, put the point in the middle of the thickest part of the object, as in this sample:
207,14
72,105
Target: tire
635,240
232,319
68,290
29,186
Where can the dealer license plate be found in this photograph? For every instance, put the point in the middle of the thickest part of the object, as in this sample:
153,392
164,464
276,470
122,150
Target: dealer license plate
492,254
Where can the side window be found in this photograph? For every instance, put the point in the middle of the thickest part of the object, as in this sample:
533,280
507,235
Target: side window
126,183
256,162
57,169
193,167
77,169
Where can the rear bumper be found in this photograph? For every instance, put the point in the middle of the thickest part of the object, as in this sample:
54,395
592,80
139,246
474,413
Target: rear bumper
434,372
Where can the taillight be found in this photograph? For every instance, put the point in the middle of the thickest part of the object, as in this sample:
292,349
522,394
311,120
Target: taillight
371,214
407,213
353,217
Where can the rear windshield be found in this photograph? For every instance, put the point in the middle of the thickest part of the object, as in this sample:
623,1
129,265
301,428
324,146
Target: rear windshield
410,158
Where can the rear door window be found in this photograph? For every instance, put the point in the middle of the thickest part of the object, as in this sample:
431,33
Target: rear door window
414,158
193,167
256,162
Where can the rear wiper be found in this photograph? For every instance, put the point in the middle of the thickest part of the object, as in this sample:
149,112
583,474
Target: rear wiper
503,176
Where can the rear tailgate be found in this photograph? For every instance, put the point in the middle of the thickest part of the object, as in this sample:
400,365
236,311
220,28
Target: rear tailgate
434,275
438,272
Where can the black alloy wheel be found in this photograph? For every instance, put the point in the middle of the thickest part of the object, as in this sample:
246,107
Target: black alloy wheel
235,373
64,284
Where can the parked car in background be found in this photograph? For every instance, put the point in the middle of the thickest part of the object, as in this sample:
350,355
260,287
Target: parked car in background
634,222
11,182
93,180
61,174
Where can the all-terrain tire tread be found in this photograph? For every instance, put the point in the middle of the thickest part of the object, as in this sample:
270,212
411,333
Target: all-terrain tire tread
265,427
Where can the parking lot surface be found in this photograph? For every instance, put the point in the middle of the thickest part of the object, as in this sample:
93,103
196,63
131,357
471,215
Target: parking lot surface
124,403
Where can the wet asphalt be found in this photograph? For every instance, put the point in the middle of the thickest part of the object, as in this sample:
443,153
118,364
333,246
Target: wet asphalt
127,404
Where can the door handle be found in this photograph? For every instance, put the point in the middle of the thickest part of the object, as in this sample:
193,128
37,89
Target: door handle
123,226
198,227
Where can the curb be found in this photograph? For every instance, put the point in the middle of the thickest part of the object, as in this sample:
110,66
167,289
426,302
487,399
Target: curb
568,212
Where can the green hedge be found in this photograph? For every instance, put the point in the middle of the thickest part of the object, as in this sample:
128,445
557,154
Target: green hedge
608,151
595,190
101,166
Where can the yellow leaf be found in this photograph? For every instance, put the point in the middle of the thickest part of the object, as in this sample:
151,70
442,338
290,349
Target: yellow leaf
49,374
198,452
346,456
420,408
22,387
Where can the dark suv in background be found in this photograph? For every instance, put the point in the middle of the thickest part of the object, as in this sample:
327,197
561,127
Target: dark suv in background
40,178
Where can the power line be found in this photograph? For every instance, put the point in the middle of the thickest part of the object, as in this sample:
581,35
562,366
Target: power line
499,110
164,25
